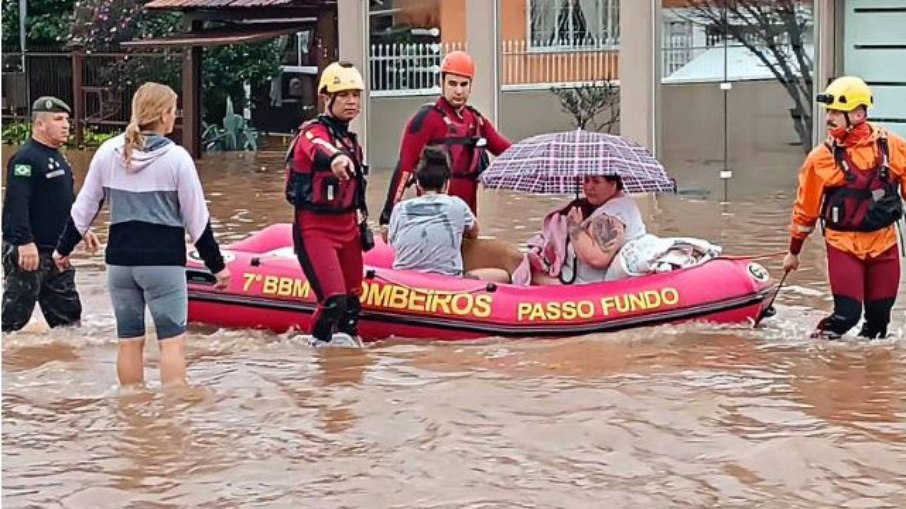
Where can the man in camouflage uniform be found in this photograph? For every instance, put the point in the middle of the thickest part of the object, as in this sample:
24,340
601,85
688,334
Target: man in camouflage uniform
39,194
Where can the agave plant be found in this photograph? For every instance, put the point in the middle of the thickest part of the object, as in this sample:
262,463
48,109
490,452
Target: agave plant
234,134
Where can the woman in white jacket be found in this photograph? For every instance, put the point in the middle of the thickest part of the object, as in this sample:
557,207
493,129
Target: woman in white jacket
155,198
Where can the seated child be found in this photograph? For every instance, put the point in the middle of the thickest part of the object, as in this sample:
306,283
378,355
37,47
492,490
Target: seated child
426,232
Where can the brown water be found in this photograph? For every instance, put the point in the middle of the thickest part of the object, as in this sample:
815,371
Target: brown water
687,416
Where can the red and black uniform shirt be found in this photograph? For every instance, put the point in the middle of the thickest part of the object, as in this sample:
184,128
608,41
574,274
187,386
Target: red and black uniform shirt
439,123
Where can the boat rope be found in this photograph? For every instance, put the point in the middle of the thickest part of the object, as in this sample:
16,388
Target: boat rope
764,256
769,309
374,274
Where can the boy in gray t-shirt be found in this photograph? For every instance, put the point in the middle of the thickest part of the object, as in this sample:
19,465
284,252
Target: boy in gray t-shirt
426,233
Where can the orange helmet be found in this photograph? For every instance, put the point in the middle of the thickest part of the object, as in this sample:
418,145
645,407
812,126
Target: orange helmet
459,63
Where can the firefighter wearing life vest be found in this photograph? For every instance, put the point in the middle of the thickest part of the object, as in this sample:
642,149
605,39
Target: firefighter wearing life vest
325,182
852,185
451,123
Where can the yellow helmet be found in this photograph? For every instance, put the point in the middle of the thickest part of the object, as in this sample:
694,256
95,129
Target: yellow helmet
339,77
846,94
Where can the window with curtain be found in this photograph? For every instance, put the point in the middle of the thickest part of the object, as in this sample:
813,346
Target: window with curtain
575,24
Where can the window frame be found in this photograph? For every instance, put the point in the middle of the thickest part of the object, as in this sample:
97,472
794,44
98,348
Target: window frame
607,6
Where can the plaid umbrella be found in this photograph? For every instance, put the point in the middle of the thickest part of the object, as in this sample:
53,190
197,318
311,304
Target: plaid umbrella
554,163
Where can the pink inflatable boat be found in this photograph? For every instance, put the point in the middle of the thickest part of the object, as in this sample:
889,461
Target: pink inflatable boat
269,291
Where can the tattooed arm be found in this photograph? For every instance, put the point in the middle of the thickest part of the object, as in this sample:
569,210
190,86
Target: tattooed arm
597,241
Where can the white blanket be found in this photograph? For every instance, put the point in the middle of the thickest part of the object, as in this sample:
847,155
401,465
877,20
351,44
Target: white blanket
652,254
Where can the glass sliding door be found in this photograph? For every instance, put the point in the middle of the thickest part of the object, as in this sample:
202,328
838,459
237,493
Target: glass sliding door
736,92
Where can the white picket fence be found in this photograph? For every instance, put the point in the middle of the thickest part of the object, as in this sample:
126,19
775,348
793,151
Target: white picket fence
678,52
409,68
413,69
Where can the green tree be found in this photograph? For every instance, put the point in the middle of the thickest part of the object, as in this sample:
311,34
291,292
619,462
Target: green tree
47,25
226,68
99,26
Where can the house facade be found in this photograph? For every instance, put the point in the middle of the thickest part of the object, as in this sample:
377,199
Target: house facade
707,104
541,41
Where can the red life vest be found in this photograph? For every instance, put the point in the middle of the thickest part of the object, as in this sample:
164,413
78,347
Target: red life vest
315,187
868,200
466,147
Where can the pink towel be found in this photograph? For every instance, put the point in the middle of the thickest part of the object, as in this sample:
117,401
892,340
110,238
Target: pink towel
546,250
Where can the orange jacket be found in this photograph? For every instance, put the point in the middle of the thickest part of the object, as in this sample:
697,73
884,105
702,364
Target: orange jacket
821,172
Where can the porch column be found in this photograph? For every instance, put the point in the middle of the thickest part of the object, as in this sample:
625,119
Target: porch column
640,71
483,40
325,48
191,95
828,18
78,96
353,33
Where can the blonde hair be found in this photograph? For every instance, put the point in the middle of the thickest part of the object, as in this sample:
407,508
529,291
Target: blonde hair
149,104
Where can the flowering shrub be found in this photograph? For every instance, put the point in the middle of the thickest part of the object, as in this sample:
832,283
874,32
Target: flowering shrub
101,25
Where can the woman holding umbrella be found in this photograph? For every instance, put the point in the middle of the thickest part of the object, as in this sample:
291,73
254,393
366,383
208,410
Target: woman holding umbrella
597,237
597,226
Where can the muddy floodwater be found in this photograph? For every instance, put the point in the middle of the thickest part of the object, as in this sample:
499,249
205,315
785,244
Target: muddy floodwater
688,416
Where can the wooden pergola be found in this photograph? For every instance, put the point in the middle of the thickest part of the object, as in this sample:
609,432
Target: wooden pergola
238,22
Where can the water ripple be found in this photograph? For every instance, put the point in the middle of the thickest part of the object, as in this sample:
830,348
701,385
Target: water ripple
684,416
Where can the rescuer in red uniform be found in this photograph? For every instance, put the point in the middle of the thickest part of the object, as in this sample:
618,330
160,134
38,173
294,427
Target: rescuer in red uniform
325,182
453,124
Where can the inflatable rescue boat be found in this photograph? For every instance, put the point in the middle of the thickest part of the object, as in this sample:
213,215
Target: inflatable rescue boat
269,291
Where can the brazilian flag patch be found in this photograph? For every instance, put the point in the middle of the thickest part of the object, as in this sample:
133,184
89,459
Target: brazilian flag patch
22,170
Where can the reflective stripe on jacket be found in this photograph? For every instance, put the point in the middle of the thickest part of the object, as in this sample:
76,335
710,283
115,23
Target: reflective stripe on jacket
821,172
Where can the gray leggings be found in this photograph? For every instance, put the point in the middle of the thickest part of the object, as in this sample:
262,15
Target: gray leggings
161,287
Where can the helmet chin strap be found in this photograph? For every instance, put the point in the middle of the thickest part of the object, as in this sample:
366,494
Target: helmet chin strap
330,103
843,132
332,97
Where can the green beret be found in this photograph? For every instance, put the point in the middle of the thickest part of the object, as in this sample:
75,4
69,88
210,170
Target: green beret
50,105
